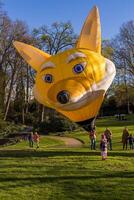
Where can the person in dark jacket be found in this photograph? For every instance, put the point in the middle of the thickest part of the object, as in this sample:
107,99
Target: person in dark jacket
30,139
125,136
130,140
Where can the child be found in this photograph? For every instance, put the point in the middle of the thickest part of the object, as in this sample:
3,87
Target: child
130,139
103,147
36,139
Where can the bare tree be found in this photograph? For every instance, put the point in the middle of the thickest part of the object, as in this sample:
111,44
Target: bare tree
58,37
123,46
10,62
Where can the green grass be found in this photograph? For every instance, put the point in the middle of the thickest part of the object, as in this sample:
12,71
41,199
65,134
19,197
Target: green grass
54,172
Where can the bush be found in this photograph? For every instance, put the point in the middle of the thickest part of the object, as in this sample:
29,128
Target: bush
56,124
8,127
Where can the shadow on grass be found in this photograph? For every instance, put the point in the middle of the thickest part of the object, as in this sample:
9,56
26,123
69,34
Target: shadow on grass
53,178
54,153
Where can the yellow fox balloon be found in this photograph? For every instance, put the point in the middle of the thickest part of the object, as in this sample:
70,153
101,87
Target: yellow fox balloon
75,81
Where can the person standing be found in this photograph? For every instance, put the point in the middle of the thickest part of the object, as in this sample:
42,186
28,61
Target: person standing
125,136
130,139
36,138
108,135
92,135
30,139
103,147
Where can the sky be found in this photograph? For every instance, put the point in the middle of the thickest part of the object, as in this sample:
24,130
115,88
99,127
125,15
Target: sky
113,13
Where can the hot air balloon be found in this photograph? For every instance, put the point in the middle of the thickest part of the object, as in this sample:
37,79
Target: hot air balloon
73,82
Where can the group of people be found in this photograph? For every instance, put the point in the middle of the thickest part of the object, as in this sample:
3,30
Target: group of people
34,139
106,141
108,135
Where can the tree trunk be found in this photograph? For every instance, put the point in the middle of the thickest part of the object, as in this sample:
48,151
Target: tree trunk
42,113
128,104
27,90
9,96
126,86
23,115
2,89
23,98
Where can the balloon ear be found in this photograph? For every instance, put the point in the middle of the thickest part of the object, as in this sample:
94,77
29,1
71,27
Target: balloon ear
31,55
90,37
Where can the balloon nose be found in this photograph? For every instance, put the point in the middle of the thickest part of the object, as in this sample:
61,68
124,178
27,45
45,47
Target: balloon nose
63,97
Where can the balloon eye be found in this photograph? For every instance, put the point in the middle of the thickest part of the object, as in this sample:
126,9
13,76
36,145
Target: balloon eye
78,68
48,78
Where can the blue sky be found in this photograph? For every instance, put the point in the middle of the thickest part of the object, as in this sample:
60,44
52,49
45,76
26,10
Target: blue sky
35,13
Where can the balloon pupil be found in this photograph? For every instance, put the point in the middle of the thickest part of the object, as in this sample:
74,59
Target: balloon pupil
78,68
48,78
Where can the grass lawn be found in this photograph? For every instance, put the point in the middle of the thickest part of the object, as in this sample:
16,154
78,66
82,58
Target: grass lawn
55,172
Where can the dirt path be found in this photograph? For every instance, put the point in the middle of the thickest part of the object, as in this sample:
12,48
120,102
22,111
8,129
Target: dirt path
69,142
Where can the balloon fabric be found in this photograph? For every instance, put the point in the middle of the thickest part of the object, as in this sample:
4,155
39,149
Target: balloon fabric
73,82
